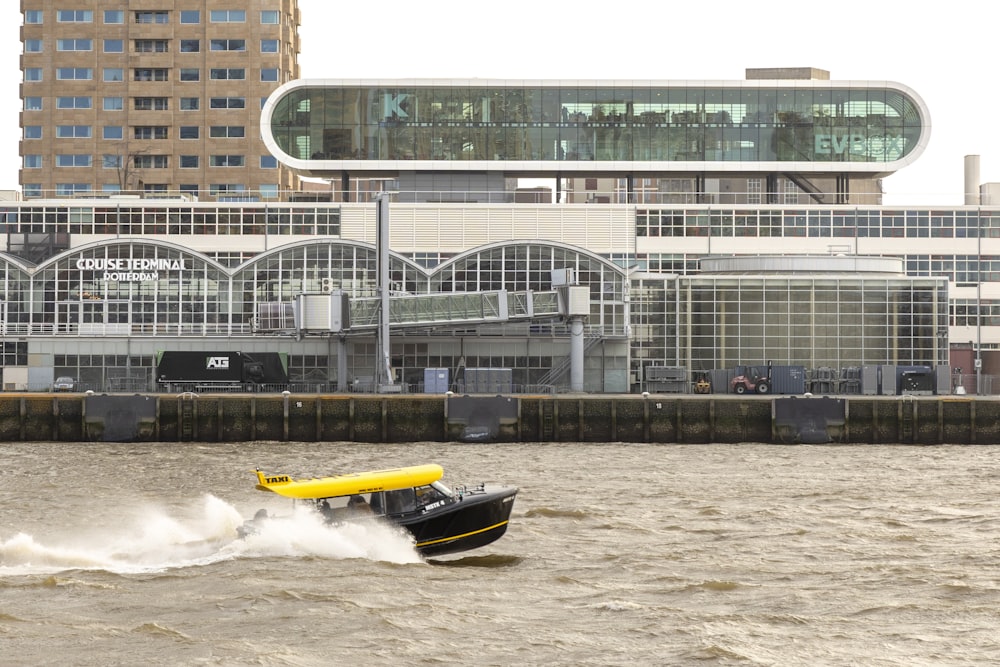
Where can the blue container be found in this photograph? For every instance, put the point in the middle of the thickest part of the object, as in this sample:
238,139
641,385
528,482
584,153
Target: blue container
435,380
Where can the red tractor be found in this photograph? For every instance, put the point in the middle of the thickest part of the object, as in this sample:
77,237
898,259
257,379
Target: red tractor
752,381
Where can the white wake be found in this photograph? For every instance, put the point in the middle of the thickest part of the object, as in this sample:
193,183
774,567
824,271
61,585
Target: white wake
155,541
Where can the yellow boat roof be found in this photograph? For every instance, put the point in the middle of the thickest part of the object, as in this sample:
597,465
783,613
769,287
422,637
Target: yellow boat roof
347,485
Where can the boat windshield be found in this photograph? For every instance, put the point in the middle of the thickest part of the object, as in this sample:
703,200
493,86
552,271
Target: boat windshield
434,494
443,489
403,501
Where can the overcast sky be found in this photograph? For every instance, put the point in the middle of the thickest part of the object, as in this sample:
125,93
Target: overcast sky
944,54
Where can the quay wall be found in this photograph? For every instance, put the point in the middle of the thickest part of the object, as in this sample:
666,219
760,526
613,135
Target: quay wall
683,419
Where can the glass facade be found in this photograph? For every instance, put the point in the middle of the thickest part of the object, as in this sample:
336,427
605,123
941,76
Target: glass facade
90,276
144,290
843,222
816,122
811,321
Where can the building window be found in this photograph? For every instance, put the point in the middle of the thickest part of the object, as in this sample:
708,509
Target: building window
114,46
268,46
33,16
73,103
151,103
227,132
189,16
190,75
149,132
190,45
268,190
189,162
791,192
269,74
226,160
152,17
32,189
111,162
151,46
32,162
227,74
228,45
32,131
113,132
32,46
114,16
226,188
189,188
228,16
72,131
228,103
114,74
189,131
74,74
111,188
73,161
114,104
74,45
150,74
190,103
33,74
74,16
268,162
70,189
753,191
150,161
32,103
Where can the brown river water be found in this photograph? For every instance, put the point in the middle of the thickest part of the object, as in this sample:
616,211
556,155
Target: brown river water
617,554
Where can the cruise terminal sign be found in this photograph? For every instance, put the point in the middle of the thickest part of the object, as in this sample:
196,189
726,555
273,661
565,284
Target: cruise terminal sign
130,270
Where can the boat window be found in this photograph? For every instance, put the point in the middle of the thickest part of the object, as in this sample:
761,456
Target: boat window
376,502
400,501
427,495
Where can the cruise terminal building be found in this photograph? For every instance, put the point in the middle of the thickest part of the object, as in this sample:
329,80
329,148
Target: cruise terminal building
742,225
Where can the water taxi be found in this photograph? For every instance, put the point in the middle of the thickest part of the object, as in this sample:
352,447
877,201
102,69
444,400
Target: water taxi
441,520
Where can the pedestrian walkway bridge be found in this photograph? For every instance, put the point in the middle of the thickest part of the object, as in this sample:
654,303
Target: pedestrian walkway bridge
325,313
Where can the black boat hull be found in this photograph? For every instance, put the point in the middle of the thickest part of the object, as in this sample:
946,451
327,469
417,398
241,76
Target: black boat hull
477,519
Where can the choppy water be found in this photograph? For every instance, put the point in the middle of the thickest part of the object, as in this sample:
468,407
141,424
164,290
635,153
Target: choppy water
616,555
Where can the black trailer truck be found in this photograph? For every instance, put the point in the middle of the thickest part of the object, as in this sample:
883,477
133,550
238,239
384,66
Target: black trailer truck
221,371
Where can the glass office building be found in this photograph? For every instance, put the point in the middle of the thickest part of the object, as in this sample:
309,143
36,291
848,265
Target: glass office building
578,126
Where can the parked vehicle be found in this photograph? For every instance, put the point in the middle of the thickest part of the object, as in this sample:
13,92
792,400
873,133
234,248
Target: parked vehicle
753,381
224,371
64,383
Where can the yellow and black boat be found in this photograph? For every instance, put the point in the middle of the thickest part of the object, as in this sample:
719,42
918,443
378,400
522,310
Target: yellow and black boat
441,520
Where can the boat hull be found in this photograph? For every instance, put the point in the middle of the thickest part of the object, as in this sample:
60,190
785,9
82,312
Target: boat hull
477,519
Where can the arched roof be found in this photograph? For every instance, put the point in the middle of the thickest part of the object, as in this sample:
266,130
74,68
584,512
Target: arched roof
16,262
412,277
132,241
480,250
261,257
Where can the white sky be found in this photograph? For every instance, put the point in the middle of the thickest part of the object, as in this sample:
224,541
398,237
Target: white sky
944,54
